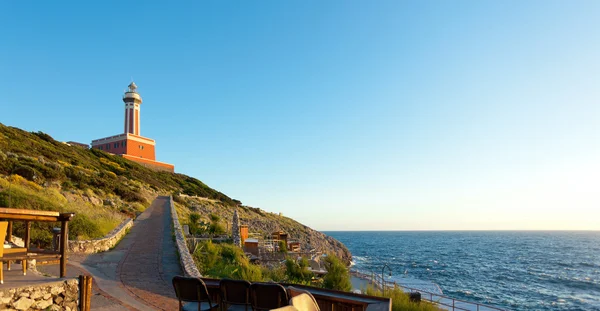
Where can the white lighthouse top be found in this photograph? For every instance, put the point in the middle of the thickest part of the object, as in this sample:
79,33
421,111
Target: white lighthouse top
132,93
132,87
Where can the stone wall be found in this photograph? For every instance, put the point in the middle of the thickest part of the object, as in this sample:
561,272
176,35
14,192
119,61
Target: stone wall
61,295
187,262
102,244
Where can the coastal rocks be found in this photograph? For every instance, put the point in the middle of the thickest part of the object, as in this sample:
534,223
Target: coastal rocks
62,295
102,244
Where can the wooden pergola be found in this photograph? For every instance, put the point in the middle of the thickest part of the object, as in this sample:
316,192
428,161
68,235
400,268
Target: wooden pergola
24,253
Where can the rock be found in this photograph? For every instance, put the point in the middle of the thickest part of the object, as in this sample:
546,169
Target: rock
5,300
23,303
36,295
24,294
58,300
46,296
56,290
71,305
43,304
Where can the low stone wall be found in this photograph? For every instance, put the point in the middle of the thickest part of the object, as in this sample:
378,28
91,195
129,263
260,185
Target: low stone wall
187,262
61,295
101,244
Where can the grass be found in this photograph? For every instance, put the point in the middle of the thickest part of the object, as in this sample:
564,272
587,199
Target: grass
89,222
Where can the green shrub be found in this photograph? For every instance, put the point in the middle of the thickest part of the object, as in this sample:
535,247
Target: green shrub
28,173
337,276
297,271
67,185
128,195
225,261
249,272
83,228
206,256
282,247
217,228
276,274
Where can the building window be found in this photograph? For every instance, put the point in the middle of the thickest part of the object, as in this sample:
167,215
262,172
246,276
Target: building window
116,145
107,146
101,148
123,144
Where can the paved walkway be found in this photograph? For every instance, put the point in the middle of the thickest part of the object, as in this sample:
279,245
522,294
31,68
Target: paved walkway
135,275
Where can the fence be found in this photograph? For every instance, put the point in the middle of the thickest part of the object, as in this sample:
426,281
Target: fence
442,301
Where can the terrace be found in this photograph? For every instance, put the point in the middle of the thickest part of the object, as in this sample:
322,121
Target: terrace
327,299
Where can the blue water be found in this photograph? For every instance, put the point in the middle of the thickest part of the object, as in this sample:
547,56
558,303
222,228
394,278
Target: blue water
518,270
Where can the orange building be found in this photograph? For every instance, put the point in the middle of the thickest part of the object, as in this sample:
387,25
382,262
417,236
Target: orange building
243,233
131,145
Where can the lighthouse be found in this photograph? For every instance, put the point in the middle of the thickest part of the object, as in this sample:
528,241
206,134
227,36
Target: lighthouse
131,144
132,101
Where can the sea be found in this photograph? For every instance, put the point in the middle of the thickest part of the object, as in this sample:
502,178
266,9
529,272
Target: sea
513,270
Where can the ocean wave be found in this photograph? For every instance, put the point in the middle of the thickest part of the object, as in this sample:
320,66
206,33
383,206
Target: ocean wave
360,259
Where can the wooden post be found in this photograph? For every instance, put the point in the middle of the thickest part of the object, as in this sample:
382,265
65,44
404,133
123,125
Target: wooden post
9,239
64,227
9,233
27,243
27,234
85,292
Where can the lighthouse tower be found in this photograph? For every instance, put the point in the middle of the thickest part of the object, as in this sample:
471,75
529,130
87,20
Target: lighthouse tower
132,101
131,145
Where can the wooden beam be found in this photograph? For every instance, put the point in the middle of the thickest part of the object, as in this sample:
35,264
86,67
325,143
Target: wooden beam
11,216
28,212
64,241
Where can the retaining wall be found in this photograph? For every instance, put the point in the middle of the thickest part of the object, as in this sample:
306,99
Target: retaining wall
61,295
187,262
101,244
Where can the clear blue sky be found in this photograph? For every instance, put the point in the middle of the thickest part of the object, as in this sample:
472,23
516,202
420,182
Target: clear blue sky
381,115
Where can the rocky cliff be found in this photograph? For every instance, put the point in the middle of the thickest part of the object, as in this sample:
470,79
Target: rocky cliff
262,223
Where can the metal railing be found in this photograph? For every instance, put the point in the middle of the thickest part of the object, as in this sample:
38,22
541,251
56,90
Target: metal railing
442,301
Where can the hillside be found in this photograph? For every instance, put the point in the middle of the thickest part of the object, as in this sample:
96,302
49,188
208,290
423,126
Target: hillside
38,172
